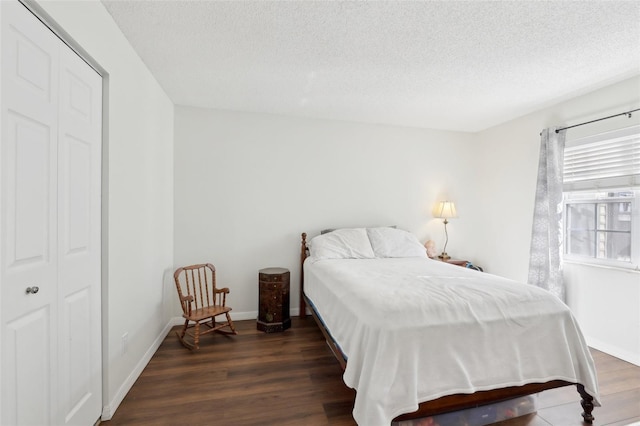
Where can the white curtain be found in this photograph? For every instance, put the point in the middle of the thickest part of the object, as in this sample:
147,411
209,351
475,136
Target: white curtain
545,265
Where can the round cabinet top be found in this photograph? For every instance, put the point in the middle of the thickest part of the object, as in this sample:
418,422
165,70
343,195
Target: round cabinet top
274,271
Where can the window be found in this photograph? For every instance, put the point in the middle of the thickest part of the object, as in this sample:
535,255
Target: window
598,225
602,199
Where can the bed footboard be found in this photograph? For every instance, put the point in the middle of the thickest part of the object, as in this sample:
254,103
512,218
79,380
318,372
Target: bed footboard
457,402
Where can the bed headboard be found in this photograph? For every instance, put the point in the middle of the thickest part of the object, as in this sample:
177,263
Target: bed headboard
304,253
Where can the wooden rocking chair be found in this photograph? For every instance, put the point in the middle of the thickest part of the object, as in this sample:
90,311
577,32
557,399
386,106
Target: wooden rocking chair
201,302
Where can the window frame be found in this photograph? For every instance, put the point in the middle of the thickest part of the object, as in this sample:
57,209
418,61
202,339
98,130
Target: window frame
583,197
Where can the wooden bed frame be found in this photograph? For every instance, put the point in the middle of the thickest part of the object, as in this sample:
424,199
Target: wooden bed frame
447,403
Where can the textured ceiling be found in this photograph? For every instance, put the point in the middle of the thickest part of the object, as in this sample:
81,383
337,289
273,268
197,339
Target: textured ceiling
455,65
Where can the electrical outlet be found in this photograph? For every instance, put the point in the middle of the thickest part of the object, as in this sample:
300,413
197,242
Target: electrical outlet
125,344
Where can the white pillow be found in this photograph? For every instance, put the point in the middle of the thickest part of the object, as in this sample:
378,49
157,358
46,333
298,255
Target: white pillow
391,242
342,244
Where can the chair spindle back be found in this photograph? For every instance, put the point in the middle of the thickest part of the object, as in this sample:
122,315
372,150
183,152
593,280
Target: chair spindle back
198,281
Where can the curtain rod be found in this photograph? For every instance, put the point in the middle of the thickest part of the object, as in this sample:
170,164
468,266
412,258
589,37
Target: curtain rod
627,113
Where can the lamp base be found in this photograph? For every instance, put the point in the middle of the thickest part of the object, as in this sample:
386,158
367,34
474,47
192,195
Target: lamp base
444,256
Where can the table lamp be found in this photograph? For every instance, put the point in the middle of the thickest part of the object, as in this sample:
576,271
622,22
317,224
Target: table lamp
445,210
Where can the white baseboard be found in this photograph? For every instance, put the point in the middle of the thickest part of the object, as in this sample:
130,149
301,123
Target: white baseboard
240,316
237,316
109,410
633,358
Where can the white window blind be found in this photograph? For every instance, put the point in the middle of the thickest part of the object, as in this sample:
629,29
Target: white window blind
606,160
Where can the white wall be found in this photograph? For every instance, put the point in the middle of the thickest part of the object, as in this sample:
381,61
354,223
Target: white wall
137,199
607,303
247,185
508,160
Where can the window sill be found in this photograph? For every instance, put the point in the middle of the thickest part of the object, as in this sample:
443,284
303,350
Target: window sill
597,265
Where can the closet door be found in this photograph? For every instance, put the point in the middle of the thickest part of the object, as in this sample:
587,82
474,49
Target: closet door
29,220
79,179
50,359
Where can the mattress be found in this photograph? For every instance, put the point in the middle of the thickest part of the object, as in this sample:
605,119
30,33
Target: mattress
416,329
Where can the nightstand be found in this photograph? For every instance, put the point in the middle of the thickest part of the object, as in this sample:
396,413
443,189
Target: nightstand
459,262
456,262
273,310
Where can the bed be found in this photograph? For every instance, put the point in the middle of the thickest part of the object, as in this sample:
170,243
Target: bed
418,337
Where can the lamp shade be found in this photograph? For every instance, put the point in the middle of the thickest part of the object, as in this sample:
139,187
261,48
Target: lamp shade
445,210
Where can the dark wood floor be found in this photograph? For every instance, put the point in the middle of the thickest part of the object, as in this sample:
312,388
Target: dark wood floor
292,378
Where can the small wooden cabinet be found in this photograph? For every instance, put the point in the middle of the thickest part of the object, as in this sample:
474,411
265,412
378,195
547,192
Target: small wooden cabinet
273,310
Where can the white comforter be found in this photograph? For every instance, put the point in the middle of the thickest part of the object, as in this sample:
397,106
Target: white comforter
417,329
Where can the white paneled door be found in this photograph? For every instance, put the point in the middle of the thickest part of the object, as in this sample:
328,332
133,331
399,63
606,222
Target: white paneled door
50,171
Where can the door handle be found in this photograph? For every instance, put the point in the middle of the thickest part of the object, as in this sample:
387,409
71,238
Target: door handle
33,290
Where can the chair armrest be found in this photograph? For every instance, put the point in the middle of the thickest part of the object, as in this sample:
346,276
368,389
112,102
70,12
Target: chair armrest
221,296
186,301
